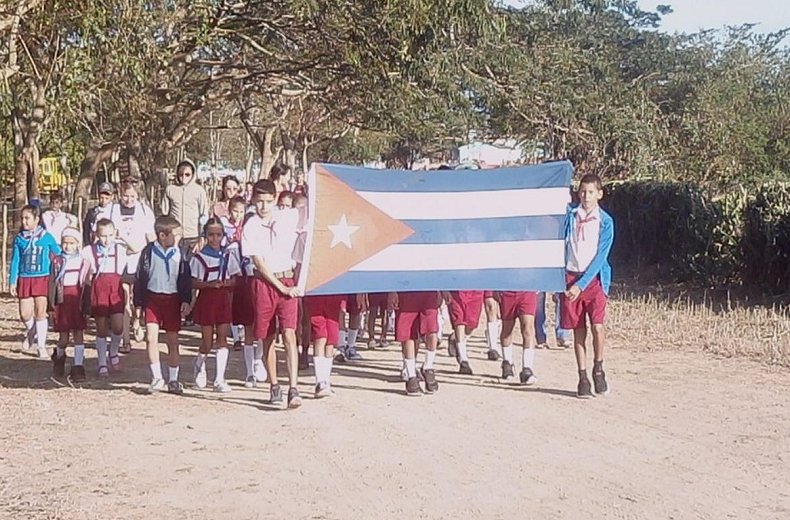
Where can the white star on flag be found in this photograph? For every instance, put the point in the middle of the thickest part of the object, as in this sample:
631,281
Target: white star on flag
341,232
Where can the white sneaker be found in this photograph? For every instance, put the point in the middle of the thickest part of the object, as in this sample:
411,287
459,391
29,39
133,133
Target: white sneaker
404,374
222,387
139,333
250,382
157,385
104,371
322,390
43,354
200,376
259,371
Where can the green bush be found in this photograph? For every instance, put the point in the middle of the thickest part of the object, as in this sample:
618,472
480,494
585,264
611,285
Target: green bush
766,238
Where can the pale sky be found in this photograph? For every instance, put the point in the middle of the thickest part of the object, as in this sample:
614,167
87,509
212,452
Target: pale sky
693,15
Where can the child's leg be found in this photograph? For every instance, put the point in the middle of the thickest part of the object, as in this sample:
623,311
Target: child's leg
492,324
460,338
408,349
527,322
541,331
126,319
222,353
206,344
27,316
599,337
372,315
319,359
291,357
116,330
580,347
42,325
173,355
385,324
249,353
270,357
431,344
152,347
506,339
63,342
79,347
102,326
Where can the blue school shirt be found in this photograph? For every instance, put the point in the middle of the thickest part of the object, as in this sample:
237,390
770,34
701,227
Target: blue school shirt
31,253
600,262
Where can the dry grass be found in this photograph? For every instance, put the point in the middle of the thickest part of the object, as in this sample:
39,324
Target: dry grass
650,322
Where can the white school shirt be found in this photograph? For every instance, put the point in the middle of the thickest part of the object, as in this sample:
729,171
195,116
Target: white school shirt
72,267
274,242
102,212
199,270
159,280
585,232
106,263
56,221
133,229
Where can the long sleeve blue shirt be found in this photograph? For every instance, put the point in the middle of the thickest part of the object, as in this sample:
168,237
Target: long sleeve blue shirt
600,262
31,254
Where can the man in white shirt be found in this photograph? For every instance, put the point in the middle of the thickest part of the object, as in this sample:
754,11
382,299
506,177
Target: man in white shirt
269,239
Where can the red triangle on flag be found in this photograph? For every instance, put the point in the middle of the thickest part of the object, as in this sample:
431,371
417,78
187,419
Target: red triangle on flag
347,229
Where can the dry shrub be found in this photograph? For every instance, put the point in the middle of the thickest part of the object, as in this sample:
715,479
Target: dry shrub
652,322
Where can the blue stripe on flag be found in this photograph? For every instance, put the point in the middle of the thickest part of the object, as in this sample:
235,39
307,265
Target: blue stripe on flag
550,279
549,175
505,229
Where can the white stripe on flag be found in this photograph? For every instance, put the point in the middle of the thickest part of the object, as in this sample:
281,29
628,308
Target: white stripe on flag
469,204
487,255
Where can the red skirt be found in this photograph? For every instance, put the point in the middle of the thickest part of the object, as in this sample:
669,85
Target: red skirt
243,311
164,310
32,287
68,315
107,295
213,307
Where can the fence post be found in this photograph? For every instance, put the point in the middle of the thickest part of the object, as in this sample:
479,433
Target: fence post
79,212
5,248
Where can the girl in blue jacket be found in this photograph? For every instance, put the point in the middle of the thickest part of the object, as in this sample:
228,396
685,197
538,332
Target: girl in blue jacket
29,280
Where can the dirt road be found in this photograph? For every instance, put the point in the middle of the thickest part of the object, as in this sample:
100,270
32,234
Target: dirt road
681,436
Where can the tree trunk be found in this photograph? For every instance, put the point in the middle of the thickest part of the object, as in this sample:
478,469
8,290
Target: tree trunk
250,159
268,156
305,147
95,156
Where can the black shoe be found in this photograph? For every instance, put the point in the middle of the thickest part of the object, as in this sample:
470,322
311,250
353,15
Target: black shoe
304,364
507,370
527,376
599,380
276,394
584,390
493,355
237,346
452,347
175,387
58,364
294,401
465,369
413,387
77,373
431,385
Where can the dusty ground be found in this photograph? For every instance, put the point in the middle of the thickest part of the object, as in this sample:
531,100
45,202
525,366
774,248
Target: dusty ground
683,436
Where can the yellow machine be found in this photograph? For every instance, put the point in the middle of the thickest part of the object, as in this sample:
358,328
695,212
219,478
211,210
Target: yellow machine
50,177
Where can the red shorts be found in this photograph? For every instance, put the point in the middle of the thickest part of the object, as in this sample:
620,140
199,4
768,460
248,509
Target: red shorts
324,312
377,301
31,287
352,306
465,308
269,304
417,315
517,303
107,295
68,315
164,310
591,302
213,307
243,310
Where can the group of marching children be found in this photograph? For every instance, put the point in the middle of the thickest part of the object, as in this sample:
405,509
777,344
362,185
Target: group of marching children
244,272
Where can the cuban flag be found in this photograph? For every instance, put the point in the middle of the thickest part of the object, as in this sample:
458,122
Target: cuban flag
393,230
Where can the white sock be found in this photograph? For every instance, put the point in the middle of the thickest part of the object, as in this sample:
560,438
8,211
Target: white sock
430,357
343,339
462,353
234,331
172,374
411,367
328,367
156,371
101,350
30,330
200,361
507,353
492,335
258,351
318,363
41,333
222,364
79,354
528,357
249,358
352,337
115,343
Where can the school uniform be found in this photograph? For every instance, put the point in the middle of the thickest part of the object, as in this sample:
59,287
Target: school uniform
417,315
31,262
163,282
67,283
588,240
513,304
56,221
242,309
132,225
324,311
213,305
107,265
274,241
465,308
